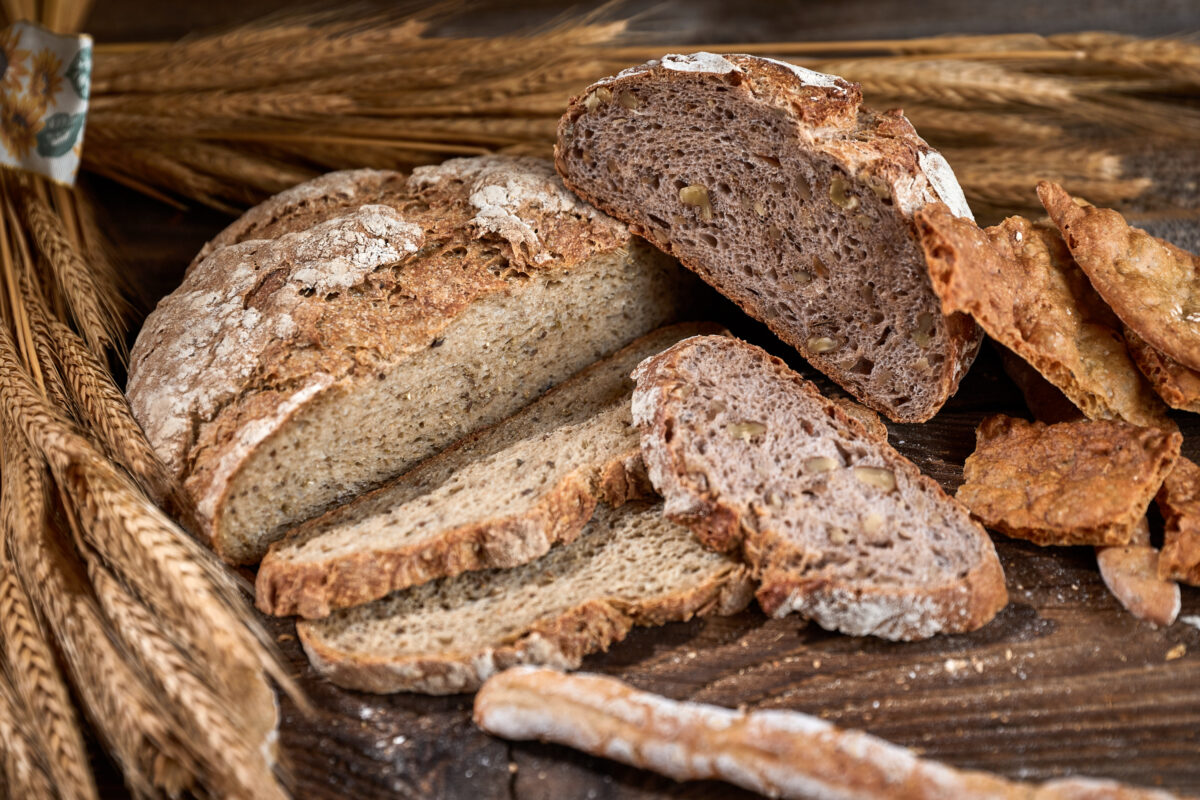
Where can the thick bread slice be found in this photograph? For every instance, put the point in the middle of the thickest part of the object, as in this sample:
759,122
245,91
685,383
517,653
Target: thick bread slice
777,188
630,566
837,525
1019,282
776,752
497,499
347,329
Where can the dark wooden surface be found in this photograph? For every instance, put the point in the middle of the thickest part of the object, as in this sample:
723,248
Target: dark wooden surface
1062,682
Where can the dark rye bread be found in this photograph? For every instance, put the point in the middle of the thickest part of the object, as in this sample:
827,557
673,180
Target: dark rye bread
774,185
501,497
345,330
836,524
630,566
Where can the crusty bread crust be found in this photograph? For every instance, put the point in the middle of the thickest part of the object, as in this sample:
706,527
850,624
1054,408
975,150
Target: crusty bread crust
882,150
325,287
562,640
777,753
889,612
313,588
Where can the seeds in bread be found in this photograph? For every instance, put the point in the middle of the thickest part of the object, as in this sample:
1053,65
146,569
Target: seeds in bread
776,752
1087,482
836,524
500,498
383,319
776,187
1019,282
630,566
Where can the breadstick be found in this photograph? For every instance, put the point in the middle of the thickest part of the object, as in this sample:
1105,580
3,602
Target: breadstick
783,754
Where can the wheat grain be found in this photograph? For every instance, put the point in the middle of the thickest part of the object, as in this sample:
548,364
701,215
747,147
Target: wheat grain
100,325
39,685
21,774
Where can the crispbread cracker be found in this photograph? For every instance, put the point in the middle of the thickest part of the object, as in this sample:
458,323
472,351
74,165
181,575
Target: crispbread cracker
1151,284
1072,483
1179,502
1174,383
1019,282
1131,573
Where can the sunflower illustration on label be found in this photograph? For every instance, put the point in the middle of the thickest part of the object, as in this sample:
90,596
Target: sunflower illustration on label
45,80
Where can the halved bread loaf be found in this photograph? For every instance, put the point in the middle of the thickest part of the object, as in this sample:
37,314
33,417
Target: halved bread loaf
497,499
837,525
630,566
349,328
775,186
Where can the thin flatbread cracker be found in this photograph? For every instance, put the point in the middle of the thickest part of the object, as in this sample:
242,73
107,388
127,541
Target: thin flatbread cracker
1172,381
1072,483
1019,282
1131,573
1179,502
1152,285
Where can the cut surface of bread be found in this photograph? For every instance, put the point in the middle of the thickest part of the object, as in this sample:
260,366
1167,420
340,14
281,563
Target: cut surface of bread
499,498
837,525
1179,502
630,566
1019,282
349,328
1070,483
1152,285
777,752
774,185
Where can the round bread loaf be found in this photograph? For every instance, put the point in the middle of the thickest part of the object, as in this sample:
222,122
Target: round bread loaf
350,327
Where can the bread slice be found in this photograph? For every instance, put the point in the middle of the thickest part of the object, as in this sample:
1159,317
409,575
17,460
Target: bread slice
774,185
1086,482
349,328
1019,282
497,499
630,566
837,525
776,752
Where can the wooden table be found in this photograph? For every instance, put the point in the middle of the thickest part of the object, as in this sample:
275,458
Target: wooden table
1062,682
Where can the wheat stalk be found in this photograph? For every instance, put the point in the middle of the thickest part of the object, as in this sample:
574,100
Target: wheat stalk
40,687
21,775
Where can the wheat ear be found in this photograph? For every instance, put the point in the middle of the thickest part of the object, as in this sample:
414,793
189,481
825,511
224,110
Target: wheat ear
21,776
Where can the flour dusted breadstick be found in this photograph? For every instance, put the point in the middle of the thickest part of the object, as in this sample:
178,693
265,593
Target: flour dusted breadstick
778,753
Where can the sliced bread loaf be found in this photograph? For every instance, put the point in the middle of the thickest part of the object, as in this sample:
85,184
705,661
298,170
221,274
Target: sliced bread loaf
837,525
499,498
780,190
630,566
349,328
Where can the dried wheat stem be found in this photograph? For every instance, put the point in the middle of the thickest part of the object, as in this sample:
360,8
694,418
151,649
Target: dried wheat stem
229,744
99,325
41,688
21,775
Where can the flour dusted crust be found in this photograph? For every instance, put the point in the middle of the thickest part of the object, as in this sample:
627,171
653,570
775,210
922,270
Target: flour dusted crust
1018,281
868,345
283,309
777,753
1086,482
